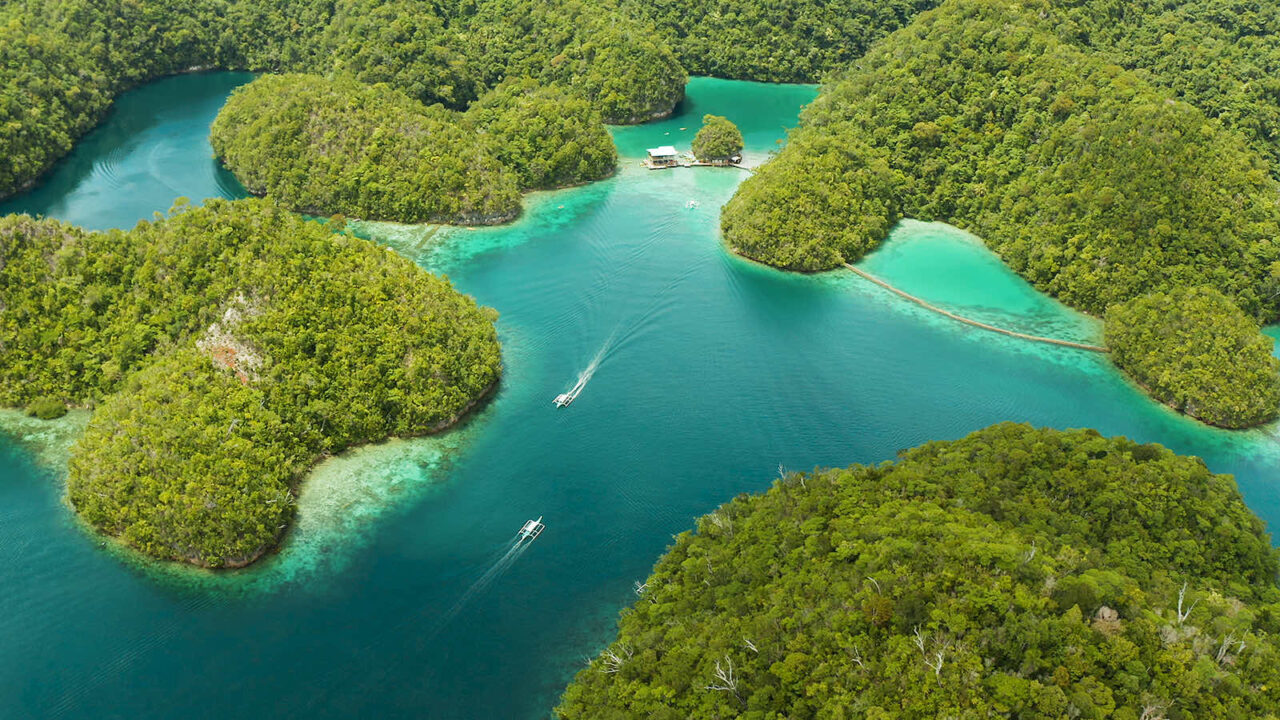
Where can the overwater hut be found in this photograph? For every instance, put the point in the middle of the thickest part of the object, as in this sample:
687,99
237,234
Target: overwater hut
662,157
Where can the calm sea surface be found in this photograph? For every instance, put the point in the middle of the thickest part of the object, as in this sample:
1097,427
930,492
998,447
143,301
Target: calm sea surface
396,596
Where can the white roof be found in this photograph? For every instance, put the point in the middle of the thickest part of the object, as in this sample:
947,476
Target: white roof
664,150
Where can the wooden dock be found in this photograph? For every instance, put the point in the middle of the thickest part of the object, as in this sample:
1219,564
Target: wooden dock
975,323
686,164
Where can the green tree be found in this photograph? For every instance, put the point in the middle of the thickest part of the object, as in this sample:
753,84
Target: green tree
1013,573
1193,349
325,146
718,140
1074,171
63,61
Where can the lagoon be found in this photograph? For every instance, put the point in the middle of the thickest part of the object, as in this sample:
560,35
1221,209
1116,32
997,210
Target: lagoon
711,373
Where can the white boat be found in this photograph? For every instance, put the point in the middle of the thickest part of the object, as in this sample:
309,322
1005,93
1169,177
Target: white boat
532,530
563,399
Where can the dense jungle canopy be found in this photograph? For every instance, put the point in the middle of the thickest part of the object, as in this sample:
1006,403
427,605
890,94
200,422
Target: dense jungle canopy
1193,350
717,140
326,146
1013,573
1100,165
224,349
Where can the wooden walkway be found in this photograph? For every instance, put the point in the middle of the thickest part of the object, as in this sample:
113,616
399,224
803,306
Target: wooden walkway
968,321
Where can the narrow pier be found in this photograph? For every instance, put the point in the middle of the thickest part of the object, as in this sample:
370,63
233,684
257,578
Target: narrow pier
969,321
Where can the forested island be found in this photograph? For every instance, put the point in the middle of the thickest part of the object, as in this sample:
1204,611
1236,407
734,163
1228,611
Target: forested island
326,146
224,350
1098,184
1016,572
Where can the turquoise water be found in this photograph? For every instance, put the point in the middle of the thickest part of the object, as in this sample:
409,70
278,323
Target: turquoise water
710,373
152,149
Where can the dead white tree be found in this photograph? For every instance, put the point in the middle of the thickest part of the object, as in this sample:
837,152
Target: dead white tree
933,657
612,662
782,475
1182,594
728,681
1029,555
856,654
750,646
1227,641
723,522
1153,711
640,587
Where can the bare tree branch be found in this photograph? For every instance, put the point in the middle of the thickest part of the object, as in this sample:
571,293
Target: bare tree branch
1182,594
613,661
728,682
1227,641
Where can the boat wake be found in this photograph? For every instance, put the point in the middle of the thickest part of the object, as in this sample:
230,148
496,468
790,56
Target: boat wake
566,398
630,330
515,548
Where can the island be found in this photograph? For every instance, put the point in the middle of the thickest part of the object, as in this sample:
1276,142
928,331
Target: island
328,146
1097,184
718,142
224,350
1016,572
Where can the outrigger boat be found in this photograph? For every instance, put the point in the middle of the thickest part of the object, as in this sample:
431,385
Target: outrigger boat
563,399
532,530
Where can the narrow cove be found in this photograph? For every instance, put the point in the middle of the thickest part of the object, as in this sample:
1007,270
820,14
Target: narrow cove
712,373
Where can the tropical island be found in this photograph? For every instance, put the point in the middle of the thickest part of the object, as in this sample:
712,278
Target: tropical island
315,145
225,349
1097,184
1015,572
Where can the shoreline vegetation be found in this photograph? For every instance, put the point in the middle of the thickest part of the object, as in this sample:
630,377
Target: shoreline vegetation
1015,572
1097,184
1098,170
223,350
